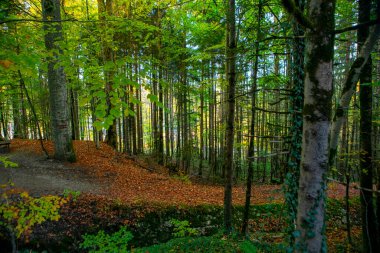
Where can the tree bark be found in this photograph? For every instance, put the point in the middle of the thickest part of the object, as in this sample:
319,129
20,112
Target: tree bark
316,121
57,83
229,136
369,230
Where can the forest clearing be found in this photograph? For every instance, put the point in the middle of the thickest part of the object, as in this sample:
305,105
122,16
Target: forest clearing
189,126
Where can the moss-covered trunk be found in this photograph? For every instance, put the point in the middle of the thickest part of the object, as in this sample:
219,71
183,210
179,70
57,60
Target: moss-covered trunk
316,120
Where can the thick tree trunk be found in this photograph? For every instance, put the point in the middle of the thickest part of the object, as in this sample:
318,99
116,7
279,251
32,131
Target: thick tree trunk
229,143
369,230
316,121
57,83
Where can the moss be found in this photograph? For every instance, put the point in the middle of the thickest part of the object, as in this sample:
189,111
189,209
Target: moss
323,110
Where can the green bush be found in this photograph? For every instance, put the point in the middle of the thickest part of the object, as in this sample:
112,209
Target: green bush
104,243
182,228
206,244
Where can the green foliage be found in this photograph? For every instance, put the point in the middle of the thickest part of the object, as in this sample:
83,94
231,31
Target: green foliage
102,242
21,215
67,193
208,244
7,164
19,212
248,247
182,228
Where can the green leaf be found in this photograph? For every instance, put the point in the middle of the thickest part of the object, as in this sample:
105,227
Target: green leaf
100,94
152,98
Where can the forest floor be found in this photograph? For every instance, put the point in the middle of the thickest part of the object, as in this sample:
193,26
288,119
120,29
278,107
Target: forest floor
104,176
117,176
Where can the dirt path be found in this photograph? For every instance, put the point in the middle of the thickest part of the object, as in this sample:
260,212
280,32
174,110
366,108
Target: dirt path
41,176
116,176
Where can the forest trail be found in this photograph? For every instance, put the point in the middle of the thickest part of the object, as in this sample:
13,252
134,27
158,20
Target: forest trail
116,176
40,176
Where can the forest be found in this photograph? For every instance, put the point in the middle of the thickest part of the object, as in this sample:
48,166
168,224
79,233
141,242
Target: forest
189,126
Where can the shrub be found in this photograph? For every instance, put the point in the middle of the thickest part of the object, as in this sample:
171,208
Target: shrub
104,243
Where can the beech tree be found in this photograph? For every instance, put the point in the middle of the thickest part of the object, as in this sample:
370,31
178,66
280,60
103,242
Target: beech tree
59,110
208,89
318,91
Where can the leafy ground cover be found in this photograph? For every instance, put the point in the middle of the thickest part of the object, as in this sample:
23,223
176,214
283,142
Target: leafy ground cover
146,200
125,180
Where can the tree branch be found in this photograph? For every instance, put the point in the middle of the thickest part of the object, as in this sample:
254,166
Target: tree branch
292,9
358,26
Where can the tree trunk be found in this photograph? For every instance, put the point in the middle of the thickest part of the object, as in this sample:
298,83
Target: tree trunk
366,169
74,114
316,120
349,89
201,129
57,83
229,143
297,99
251,145
104,9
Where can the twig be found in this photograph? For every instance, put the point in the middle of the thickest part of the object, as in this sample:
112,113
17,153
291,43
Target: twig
354,186
269,155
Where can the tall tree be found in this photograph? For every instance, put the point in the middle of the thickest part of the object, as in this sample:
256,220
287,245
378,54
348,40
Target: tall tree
251,145
369,232
51,10
105,9
349,88
293,168
319,40
229,143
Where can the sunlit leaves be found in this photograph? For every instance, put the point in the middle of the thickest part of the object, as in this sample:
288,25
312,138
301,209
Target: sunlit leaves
7,163
20,216
6,63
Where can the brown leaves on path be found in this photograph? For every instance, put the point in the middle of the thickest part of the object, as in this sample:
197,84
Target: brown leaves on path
130,183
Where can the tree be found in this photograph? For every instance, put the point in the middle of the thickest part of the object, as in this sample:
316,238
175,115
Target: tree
319,40
56,80
370,235
229,143
105,10
292,176
251,147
